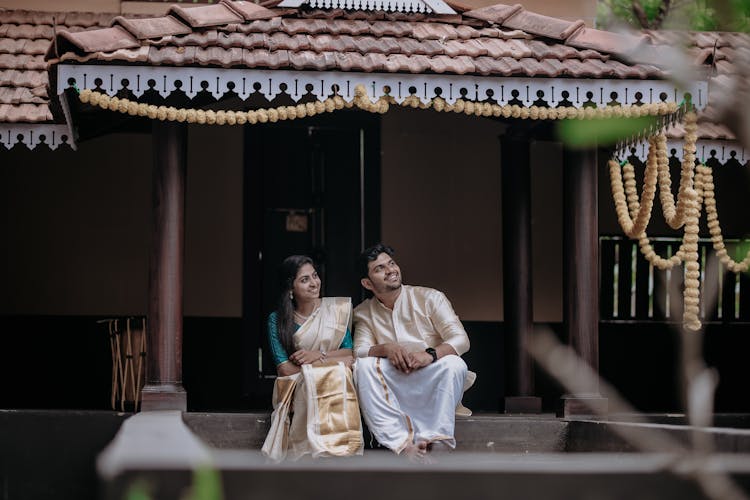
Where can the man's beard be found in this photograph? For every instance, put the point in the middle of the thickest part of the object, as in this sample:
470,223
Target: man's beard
393,286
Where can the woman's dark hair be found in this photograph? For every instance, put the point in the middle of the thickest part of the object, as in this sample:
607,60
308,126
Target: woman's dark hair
285,309
370,254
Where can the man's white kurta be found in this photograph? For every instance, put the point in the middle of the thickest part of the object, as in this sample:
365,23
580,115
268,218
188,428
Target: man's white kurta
400,408
421,317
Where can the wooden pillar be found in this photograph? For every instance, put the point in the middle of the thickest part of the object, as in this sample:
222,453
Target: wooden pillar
581,272
163,390
517,288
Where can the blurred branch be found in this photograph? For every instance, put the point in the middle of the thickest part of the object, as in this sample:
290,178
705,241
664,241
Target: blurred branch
576,376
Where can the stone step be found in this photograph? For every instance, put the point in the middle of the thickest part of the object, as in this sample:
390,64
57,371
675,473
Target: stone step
171,452
480,433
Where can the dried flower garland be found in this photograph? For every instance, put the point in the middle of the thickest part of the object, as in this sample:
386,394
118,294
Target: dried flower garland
633,214
676,218
696,190
362,101
714,227
211,117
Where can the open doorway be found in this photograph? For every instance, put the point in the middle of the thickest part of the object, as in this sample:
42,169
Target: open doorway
311,187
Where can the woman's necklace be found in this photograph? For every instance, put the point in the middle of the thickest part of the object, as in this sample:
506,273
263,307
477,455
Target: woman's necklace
300,319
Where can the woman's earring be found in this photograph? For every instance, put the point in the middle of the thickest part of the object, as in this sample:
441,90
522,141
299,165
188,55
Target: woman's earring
291,295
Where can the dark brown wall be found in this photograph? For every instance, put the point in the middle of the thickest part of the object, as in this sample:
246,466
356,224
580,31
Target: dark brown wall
442,210
76,226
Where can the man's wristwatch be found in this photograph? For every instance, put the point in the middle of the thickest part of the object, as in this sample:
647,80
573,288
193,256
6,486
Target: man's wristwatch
432,353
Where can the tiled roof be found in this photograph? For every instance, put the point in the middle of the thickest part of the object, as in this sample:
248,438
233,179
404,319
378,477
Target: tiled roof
498,40
719,50
25,36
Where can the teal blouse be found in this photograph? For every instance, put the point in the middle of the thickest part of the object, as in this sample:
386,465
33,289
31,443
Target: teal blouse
277,350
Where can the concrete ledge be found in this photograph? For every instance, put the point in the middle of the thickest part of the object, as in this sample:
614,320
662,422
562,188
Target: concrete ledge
153,440
377,475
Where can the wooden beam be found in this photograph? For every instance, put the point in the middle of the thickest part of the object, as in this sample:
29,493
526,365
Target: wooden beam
581,271
163,390
517,285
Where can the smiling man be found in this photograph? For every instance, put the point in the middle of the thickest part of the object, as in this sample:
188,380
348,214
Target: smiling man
410,376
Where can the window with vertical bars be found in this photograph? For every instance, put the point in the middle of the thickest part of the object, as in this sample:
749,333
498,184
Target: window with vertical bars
632,290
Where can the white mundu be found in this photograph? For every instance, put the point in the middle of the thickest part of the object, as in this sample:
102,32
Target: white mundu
401,408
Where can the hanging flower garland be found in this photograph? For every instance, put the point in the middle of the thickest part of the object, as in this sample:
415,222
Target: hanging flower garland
362,101
696,190
633,214
210,117
668,263
675,218
714,227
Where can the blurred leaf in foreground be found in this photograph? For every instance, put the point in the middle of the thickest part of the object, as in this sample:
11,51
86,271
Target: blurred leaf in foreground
138,490
601,131
743,248
206,485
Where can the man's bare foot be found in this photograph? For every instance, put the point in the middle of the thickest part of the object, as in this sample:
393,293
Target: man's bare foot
417,452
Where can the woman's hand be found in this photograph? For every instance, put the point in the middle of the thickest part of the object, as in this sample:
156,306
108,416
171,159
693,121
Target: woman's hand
303,357
287,368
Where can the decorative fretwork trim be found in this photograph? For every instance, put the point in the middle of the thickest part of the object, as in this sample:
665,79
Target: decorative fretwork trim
416,6
552,92
32,135
723,151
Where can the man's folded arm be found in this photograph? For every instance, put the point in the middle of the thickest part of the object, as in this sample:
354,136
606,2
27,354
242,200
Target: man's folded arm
449,327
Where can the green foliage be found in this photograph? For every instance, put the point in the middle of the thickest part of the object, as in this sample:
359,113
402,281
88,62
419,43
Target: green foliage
206,485
601,131
699,15
139,490
743,249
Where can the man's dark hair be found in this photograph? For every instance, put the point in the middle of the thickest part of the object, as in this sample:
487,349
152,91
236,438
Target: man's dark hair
370,254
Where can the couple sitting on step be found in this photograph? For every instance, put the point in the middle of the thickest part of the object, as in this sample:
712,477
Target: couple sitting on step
405,360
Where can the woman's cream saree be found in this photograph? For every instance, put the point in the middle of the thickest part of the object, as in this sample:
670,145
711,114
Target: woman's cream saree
325,420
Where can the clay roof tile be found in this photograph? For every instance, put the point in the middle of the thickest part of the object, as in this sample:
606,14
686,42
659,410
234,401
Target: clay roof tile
102,40
606,41
390,28
434,31
248,10
538,24
171,56
496,14
22,61
209,15
217,56
26,113
152,27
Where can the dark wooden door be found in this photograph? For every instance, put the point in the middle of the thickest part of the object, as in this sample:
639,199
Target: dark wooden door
311,187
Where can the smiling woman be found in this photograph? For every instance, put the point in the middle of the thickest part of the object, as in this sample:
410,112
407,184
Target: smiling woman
311,341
